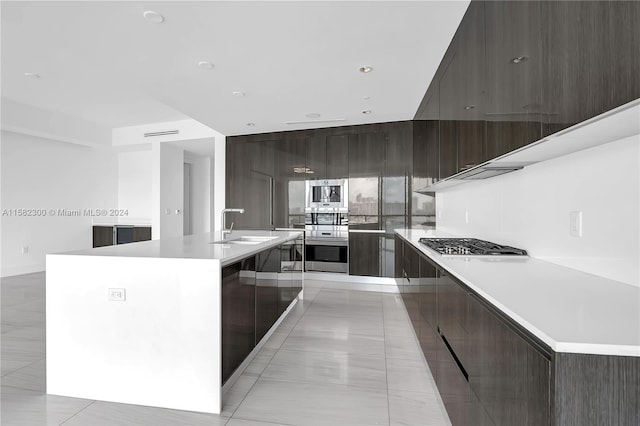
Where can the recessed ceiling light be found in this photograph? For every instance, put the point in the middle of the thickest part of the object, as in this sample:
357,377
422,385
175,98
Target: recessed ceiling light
366,111
468,107
313,115
205,65
366,98
32,75
251,124
366,69
238,94
154,17
518,59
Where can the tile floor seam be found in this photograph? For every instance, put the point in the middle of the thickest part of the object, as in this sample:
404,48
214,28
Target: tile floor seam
261,421
386,369
21,368
80,411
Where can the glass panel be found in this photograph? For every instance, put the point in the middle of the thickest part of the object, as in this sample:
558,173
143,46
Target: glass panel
296,197
394,195
363,196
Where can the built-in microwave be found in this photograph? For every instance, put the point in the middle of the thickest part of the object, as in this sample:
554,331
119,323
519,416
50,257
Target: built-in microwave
327,195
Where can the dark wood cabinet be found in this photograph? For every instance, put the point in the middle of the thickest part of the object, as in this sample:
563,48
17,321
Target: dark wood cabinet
491,371
514,61
102,236
255,292
338,156
267,309
141,233
591,62
518,71
487,369
238,295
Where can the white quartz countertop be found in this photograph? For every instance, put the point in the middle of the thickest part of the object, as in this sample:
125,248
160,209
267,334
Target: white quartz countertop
569,310
200,246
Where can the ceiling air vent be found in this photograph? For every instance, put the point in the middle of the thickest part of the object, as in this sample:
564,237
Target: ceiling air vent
165,133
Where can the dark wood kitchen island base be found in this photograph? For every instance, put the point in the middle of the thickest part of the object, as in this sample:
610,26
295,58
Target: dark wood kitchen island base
490,370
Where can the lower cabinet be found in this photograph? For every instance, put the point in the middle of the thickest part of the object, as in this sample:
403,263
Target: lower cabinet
488,371
103,235
491,371
254,293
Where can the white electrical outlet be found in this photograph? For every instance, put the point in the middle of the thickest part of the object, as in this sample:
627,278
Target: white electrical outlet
575,224
25,249
117,294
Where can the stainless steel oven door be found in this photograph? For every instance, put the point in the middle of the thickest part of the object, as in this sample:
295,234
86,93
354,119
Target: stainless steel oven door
327,255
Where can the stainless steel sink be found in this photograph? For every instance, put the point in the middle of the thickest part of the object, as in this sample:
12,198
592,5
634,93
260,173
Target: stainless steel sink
245,239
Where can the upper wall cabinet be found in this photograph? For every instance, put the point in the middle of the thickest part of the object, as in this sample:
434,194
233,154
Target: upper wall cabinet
513,75
591,62
518,71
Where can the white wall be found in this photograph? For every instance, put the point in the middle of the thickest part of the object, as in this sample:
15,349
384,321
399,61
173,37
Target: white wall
531,208
134,186
201,192
45,174
167,187
218,180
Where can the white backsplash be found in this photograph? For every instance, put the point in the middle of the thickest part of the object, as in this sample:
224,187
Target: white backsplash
531,209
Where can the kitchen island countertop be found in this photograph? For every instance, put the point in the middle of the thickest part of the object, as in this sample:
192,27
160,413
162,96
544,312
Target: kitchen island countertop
569,310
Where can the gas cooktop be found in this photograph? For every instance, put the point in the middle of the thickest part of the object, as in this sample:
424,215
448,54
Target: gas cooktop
469,247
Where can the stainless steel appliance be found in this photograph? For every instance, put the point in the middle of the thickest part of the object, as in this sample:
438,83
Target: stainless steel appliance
469,247
326,195
326,242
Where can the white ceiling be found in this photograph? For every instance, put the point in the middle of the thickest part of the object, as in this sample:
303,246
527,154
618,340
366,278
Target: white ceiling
104,63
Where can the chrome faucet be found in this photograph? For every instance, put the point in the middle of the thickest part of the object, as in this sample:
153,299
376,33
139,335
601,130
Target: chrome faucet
224,228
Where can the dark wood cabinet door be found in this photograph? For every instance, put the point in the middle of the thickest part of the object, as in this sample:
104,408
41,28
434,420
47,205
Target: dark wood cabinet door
289,181
238,314
427,333
250,182
316,157
364,251
513,63
141,233
337,156
591,61
102,236
267,296
452,313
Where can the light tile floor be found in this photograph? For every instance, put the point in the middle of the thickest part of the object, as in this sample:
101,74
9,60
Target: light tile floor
340,357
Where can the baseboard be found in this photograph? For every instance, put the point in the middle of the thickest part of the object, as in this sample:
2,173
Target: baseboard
10,271
328,276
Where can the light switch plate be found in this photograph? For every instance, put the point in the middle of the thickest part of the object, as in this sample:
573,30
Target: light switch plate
117,294
575,225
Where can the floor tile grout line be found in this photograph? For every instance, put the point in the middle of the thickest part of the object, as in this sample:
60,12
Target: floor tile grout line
80,411
386,367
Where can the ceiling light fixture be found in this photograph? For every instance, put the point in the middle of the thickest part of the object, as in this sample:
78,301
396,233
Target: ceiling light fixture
366,98
205,65
518,59
468,107
238,94
313,115
154,17
366,69
366,111
251,124
32,75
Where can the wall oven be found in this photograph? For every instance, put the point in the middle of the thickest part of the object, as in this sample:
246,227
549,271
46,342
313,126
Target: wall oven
327,195
324,254
326,242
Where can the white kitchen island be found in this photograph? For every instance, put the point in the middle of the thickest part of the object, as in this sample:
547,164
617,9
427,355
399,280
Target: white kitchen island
141,323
